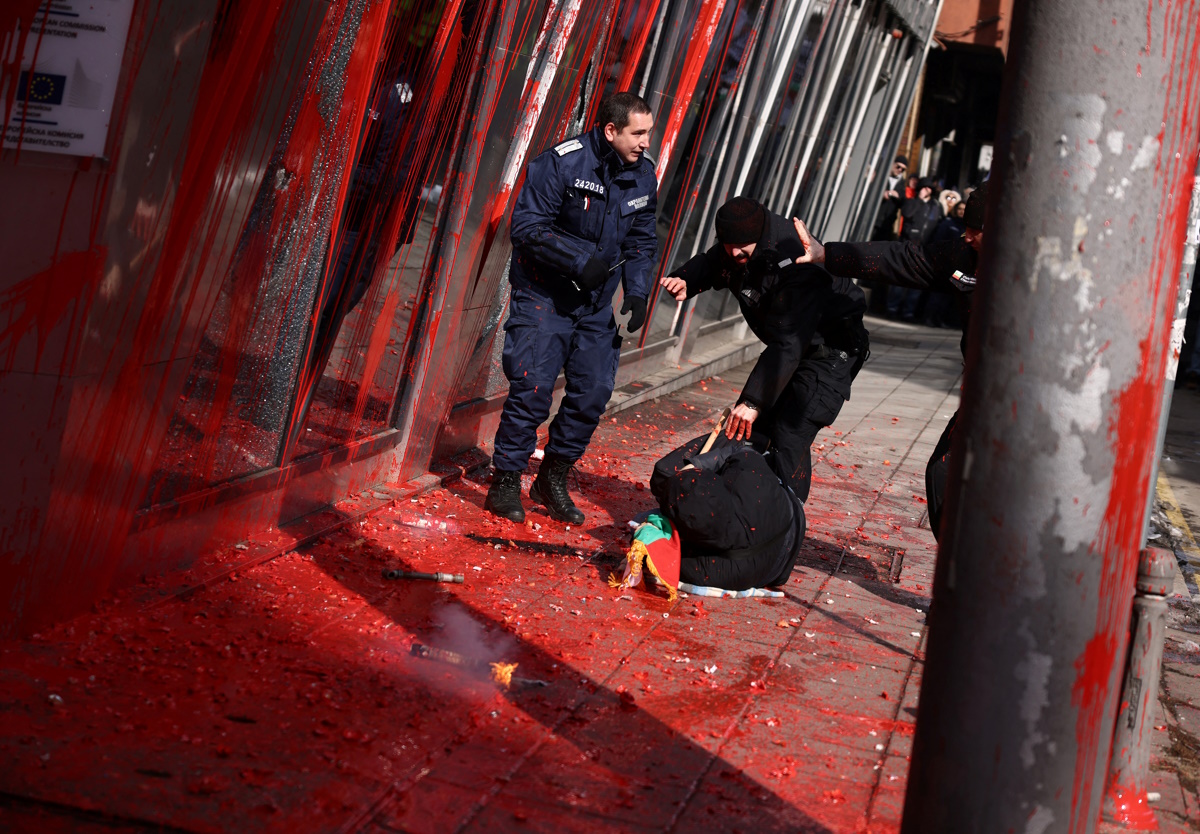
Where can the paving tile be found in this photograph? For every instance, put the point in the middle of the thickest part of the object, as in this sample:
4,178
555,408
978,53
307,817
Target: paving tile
430,807
530,815
731,800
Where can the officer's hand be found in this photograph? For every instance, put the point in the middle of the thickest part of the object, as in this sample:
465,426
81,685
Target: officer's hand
595,273
637,306
814,252
741,419
675,286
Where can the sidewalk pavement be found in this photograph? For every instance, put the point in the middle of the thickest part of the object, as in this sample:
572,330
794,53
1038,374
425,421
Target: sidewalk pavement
281,694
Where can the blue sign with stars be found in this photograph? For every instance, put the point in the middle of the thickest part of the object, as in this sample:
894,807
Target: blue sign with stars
40,88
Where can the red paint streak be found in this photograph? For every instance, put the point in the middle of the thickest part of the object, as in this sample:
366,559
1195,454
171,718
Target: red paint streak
115,423
42,302
1131,809
530,108
476,128
683,209
310,137
376,347
630,66
1149,29
1134,422
698,47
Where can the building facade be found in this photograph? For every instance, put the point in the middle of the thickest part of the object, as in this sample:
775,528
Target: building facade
257,250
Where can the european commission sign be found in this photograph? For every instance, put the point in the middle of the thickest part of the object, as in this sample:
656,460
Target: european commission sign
68,77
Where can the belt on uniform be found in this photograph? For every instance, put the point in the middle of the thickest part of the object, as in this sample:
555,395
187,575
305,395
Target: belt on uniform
826,352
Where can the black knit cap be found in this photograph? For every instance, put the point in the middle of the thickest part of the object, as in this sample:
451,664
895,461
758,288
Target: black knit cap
741,220
976,204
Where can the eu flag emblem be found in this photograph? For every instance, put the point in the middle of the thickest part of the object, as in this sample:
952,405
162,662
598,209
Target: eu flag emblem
40,88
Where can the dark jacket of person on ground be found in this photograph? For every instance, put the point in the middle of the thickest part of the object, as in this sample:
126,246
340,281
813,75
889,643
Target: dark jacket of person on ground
948,265
738,526
810,321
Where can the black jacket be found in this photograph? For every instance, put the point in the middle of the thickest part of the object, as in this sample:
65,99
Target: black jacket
921,219
889,207
792,309
929,267
731,506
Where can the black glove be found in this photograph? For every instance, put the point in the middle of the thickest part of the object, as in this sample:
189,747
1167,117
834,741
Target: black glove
595,273
714,459
638,306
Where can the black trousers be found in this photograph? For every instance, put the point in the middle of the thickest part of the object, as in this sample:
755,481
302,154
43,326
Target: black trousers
812,400
935,478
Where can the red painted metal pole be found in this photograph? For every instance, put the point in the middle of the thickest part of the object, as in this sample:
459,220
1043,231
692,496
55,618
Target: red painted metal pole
1034,583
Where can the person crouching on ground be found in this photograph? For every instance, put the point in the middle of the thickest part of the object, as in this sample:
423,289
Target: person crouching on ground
739,526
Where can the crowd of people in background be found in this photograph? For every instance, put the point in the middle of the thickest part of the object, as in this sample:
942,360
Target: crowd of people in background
918,210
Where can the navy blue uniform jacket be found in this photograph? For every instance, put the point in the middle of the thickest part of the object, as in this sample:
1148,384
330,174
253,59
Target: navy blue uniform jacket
581,201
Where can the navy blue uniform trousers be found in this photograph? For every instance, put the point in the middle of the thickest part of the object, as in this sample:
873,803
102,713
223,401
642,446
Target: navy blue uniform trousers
540,341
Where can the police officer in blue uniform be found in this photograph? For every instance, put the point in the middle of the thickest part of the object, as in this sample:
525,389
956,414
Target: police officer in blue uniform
582,224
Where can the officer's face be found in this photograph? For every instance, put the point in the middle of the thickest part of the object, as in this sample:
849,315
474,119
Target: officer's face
740,252
974,238
631,141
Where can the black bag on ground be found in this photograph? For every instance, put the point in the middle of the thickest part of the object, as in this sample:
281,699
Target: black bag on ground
739,527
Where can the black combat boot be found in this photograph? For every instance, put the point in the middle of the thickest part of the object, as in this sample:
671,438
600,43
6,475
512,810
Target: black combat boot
550,490
504,496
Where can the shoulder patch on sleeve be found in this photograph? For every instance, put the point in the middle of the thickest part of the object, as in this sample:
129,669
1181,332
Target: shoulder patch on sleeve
570,146
785,263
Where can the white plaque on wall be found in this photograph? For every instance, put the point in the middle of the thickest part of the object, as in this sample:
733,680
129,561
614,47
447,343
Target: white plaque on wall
68,77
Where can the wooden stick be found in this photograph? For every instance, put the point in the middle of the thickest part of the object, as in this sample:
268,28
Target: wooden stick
712,437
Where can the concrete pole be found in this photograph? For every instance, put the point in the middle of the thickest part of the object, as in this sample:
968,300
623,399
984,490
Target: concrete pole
1065,367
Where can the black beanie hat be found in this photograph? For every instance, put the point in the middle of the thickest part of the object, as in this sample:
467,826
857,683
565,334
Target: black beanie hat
902,159
741,220
976,204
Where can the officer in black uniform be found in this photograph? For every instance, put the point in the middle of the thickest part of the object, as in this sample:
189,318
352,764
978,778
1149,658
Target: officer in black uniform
810,321
946,265
582,224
